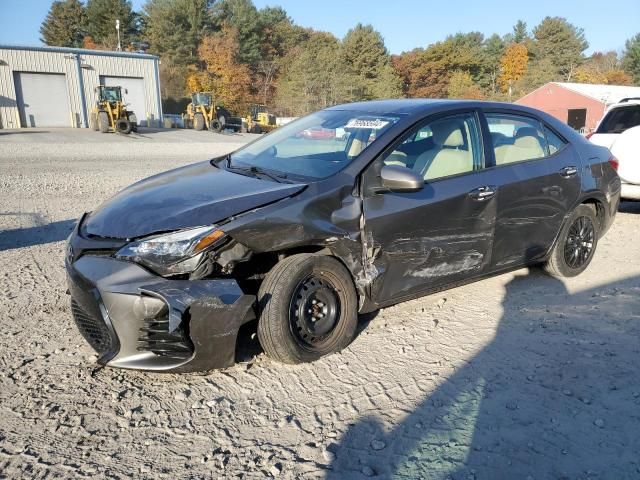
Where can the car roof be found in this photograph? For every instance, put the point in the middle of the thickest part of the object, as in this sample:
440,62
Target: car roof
422,106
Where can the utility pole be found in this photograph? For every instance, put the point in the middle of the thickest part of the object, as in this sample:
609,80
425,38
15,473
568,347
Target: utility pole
119,49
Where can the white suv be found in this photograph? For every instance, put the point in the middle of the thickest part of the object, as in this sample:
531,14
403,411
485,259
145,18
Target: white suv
619,131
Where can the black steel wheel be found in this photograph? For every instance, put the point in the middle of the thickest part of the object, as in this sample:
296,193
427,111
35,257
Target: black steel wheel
308,308
314,312
576,244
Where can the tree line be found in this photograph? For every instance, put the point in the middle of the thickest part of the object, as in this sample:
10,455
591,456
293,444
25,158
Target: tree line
249,55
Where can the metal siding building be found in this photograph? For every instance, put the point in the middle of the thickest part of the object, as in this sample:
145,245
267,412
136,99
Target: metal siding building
52,86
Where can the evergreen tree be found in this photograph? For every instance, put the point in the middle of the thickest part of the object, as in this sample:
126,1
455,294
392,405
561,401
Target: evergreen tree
65,24
174,29
313,76
631,58
520,32
102,16
560,42
366,59
243,16
493,49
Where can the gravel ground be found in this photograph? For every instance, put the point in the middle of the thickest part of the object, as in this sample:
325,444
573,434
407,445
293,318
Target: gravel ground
519,376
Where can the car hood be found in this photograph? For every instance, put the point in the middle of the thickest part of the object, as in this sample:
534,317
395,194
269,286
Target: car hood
191,196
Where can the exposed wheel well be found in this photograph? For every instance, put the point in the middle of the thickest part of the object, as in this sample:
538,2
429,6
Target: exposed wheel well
599,209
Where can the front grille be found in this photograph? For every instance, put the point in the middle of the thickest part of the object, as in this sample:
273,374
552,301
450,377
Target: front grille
155,337
94,330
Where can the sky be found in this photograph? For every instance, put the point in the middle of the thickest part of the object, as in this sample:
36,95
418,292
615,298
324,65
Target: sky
405,24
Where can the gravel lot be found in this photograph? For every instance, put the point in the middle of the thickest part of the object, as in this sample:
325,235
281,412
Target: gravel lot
519,376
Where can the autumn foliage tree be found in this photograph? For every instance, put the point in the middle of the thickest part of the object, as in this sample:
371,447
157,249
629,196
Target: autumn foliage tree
461,85
513,66
222,72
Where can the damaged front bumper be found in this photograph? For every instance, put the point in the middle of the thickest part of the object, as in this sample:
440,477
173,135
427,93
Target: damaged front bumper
135,319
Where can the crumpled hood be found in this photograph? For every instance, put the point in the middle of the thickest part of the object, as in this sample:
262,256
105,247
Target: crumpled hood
191,196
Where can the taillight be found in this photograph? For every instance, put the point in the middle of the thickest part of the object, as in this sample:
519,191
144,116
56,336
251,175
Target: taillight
589,135
613,161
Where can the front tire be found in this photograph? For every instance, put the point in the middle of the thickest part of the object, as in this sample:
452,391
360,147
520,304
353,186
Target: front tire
198,122
308,309
576,244
103,122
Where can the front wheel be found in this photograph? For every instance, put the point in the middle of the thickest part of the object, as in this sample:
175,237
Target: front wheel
103,122
575,245
308,309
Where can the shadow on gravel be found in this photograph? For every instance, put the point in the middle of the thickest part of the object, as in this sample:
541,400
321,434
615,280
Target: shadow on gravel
556,394
37,235
21,132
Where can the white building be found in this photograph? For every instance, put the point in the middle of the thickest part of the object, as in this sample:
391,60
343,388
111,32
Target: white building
55,86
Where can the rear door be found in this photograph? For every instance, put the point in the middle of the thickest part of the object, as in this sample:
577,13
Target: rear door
42,99
416,241
537,173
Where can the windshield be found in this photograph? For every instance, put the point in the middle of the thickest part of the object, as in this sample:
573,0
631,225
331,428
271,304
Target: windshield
201,99
620,119
315,146
111,94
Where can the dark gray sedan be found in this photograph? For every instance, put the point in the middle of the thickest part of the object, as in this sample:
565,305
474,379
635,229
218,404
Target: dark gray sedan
394,200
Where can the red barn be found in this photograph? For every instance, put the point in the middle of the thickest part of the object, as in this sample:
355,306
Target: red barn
581,105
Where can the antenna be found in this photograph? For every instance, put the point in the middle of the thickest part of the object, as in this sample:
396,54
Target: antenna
118,30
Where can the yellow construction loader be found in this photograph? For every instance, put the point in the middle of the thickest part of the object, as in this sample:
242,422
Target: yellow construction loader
204,114
110,113
260,120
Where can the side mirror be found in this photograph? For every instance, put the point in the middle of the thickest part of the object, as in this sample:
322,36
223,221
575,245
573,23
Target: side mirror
400,179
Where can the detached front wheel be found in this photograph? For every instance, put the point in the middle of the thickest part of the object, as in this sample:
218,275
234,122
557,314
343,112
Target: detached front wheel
575,245
308,309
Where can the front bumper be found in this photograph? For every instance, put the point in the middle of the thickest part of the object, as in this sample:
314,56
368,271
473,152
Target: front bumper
195,330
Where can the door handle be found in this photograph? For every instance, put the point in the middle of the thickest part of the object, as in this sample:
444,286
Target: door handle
482,193
567,172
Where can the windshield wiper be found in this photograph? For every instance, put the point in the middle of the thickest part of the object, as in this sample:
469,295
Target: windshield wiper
256,171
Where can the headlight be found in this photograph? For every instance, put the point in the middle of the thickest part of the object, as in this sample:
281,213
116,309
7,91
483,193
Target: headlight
174,253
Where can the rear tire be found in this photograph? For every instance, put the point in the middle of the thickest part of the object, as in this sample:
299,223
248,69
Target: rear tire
103,122
198,122
308,309
133,120
123,126
576,244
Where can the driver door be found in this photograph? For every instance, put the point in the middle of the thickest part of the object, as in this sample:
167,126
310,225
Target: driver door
441,234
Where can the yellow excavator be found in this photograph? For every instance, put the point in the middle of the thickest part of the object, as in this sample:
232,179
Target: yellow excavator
110,113
260,120
204,114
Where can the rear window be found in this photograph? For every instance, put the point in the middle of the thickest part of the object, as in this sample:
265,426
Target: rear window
620,119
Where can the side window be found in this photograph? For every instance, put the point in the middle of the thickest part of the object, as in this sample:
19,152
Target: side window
554,141
516,138
440,148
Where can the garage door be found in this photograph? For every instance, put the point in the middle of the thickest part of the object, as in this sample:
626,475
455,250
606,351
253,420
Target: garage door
42,99
134,97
